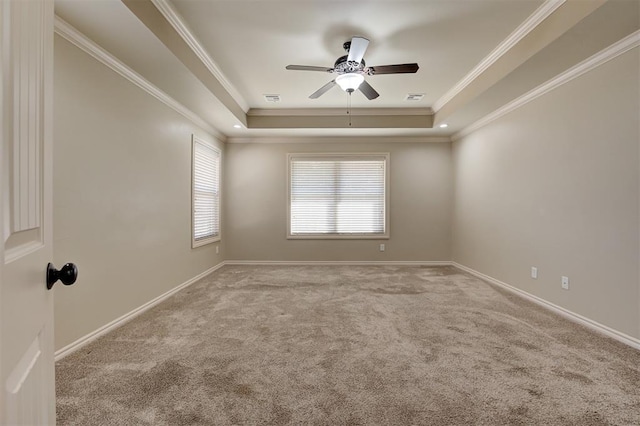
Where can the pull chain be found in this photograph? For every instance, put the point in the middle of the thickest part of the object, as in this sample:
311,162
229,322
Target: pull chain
349,108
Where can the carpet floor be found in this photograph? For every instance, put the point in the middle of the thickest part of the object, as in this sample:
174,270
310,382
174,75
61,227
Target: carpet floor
349,345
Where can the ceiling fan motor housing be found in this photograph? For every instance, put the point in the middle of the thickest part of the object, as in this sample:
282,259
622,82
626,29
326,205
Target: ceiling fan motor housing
343,66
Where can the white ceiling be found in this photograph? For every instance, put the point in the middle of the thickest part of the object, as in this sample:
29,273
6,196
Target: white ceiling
250,42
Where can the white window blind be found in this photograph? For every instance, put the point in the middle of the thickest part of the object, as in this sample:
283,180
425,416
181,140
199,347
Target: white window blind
206,193
337,195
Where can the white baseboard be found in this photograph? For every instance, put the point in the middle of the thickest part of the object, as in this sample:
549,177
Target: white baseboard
85,340
617,335
340,262
589,323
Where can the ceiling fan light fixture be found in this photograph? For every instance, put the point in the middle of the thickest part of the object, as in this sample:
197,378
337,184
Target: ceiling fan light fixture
350,82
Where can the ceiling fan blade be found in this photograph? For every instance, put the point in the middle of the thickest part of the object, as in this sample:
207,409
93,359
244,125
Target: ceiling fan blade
394,69
357,49
368,91
324,89
308,68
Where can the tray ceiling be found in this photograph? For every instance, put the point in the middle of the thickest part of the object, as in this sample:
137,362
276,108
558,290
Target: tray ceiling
219,58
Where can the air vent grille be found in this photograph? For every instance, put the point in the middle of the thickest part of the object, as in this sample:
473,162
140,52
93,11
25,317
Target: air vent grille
272,98
414,97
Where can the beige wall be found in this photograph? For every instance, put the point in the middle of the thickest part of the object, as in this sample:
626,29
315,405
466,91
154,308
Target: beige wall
555,184
420,204
122,195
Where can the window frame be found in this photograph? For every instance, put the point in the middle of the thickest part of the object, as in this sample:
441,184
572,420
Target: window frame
217,237
336,156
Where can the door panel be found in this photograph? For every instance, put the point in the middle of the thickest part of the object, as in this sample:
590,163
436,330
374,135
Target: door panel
26,306
25,397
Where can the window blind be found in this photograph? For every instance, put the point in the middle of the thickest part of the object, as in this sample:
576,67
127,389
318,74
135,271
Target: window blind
206,192
337,196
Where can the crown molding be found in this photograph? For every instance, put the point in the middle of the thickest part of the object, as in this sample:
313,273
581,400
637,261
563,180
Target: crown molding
343,121
71,34
173,17
329,112
340,262
542,13
340,140
605,55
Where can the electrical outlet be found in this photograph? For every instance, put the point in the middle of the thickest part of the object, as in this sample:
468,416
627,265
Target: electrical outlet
565,283
217,249
534,272
381,247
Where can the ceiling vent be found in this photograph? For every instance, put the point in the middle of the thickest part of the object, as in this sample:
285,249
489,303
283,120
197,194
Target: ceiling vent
414,97
272,98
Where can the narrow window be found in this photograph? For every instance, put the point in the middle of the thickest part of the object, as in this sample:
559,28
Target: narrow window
338,196
205,193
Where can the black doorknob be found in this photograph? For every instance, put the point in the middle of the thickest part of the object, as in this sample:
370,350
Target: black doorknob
68,274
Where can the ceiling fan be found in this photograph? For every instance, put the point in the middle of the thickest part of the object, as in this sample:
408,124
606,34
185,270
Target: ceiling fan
351,70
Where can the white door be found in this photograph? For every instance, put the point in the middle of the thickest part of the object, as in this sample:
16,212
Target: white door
26,307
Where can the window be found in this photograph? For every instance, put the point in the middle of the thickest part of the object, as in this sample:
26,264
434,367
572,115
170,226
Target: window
205,193
338,196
